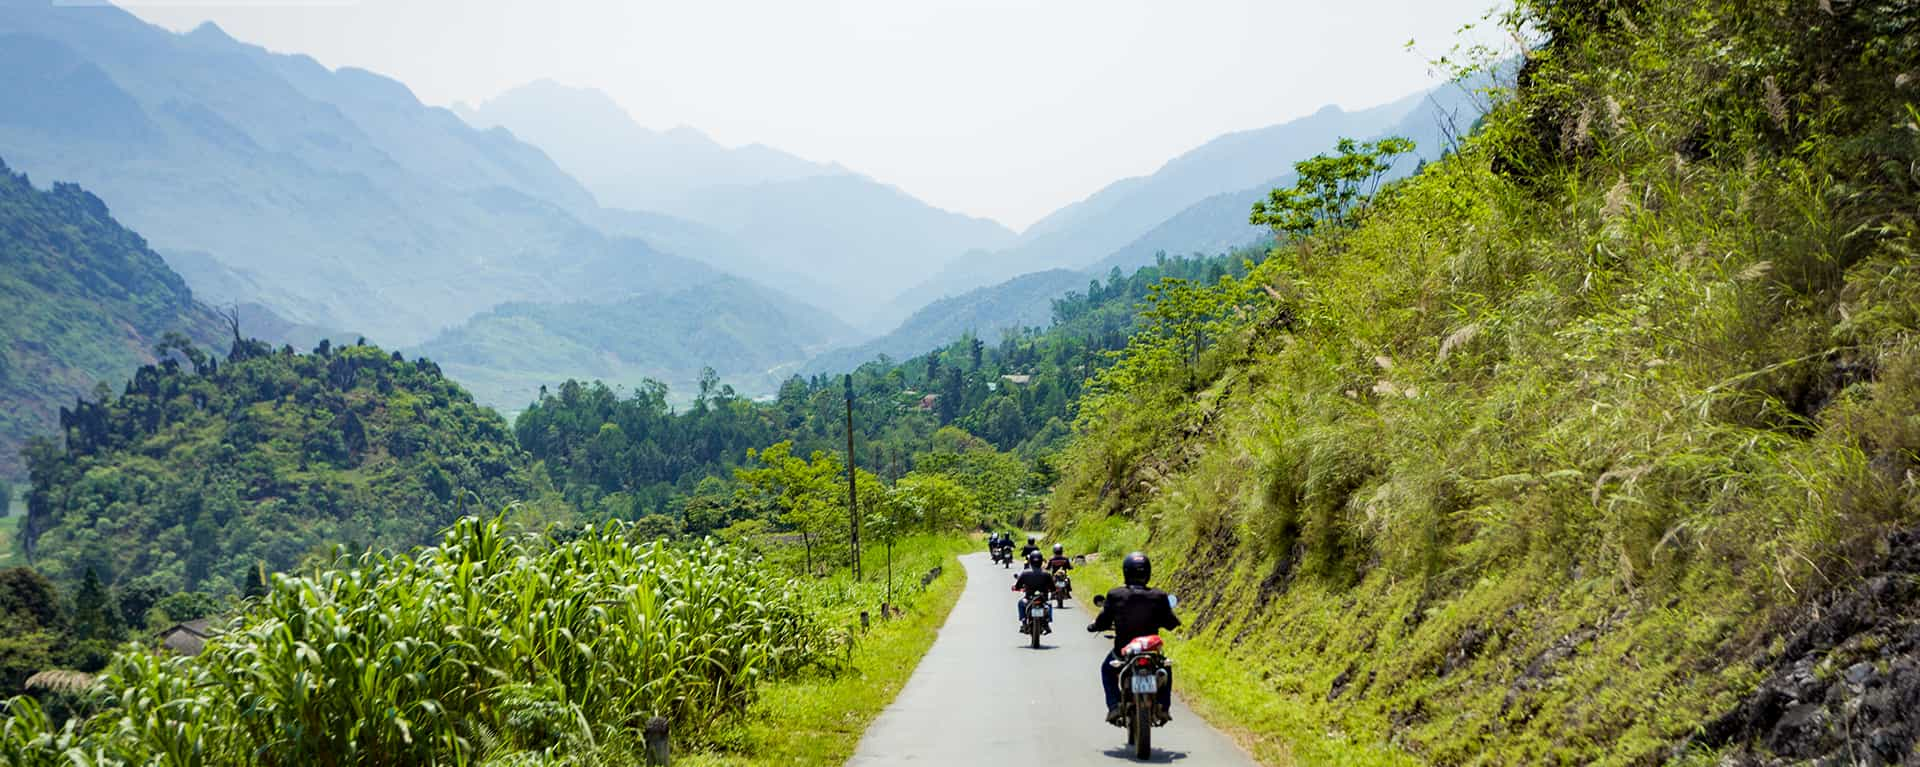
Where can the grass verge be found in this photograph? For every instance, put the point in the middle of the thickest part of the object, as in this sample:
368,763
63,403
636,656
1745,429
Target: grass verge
819,720
1231,695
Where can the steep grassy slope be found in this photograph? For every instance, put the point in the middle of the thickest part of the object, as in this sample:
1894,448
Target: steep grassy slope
1543,462
85,303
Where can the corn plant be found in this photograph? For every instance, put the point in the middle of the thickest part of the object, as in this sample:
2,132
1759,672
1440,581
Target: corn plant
486,646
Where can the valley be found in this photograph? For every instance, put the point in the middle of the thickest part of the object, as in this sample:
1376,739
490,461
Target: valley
1561,410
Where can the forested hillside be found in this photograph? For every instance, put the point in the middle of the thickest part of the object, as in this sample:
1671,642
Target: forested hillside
1591,443
205,469
987,416
85,303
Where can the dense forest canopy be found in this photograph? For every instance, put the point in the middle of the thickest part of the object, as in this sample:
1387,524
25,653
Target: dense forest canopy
203,470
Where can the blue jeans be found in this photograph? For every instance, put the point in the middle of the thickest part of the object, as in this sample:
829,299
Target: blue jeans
1020,610
1110,682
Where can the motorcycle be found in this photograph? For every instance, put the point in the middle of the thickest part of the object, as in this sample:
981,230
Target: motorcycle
1003,556
1062,588
1144,672
1035,623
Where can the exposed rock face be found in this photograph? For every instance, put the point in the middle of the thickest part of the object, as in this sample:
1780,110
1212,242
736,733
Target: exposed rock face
1846,688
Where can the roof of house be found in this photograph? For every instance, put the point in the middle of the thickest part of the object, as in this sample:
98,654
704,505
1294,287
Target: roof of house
188,637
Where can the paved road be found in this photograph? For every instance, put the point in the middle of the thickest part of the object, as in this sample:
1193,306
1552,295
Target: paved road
982,698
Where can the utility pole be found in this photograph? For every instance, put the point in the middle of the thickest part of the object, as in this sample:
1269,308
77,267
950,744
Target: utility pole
853,496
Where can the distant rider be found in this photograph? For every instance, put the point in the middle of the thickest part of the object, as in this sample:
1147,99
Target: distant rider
1059,563
1132,611
1038,585
1031,550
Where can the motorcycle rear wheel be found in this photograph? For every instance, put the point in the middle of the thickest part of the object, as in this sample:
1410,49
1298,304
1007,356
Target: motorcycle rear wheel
1142,728
1033,631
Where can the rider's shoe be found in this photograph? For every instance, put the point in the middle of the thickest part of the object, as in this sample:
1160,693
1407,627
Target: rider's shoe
1116,717
1047,629
1161,716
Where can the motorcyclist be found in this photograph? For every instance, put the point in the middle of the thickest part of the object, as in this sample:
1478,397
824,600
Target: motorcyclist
1036,584
1131,611
993,540
1031,550
1059,563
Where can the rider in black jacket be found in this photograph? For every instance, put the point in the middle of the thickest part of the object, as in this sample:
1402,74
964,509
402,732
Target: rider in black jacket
1059,563
1036,584
1030,550
1132,611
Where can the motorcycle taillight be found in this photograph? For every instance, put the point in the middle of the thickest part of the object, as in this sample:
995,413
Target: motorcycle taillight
1142,661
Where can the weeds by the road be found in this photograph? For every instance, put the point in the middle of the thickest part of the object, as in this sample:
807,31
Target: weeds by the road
818,719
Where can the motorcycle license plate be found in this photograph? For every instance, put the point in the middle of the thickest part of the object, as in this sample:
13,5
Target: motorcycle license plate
1145,683
1037,612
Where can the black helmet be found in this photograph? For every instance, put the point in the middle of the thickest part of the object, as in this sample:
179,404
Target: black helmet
1059,548
1034,559
1030,540
1136,569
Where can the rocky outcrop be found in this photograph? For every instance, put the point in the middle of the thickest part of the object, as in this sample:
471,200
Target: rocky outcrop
1845,688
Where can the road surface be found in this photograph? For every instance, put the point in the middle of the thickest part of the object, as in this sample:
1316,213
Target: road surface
982,698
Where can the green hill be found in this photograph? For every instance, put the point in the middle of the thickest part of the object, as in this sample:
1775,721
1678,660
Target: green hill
747,333
205,468
1588,444
86,301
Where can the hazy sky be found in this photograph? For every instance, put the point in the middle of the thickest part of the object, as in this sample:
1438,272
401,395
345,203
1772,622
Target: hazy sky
995,108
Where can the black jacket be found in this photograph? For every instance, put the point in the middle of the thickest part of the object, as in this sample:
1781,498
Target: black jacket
1059,563
1033,580
1027,551
1133,612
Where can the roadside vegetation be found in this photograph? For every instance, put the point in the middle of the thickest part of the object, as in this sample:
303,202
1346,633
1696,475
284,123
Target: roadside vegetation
818,718
1539,455
492,647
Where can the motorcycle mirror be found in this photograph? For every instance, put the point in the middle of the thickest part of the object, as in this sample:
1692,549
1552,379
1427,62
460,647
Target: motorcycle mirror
1173,601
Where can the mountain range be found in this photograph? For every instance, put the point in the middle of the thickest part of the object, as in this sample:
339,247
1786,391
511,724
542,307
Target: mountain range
334,195
839,238
496,235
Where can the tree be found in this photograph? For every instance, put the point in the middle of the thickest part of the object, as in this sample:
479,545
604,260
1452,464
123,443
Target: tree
186,606
803,491
935,502
256,582
92,613
1332,191
136,599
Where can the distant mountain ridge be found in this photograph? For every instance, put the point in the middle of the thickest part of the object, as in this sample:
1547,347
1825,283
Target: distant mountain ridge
1196,202
1022,302
627,165
837,238
747,333
335,193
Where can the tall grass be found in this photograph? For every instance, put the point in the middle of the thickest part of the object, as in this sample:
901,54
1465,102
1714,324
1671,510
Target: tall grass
491,646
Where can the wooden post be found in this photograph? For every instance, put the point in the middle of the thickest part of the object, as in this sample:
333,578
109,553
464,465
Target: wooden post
658,747
853,499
